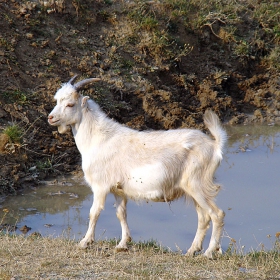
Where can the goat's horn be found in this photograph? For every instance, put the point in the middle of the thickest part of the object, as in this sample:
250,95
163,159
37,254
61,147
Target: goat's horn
73,79
80,85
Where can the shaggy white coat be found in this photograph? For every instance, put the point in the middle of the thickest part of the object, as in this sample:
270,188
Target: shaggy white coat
149,165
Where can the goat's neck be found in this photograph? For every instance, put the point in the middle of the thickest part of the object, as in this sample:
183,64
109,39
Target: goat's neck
92,130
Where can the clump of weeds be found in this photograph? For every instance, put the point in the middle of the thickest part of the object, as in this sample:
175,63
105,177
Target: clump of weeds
14,133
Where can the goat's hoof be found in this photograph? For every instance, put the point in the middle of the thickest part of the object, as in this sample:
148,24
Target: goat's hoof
208,255
213,255
189,254
84,244
121,249
192,252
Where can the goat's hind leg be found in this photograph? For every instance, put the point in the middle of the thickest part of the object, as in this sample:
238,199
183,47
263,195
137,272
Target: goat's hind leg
202,227
121,214
217,217
96,208
209,209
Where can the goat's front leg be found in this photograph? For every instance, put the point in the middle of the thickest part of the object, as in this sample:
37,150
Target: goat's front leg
121,214
97,206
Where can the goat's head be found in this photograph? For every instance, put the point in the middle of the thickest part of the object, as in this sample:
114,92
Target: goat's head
69,105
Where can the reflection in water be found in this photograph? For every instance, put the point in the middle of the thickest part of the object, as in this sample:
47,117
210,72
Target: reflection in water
250,197
51,207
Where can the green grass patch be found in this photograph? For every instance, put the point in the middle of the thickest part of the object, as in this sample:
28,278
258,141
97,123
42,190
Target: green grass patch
14,132
16,96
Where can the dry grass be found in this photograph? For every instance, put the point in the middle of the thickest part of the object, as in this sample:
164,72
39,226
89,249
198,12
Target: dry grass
47,258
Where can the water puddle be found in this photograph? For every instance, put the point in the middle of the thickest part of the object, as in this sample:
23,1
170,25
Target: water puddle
250,196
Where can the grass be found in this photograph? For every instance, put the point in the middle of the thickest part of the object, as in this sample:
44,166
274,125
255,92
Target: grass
238,25
14,132
49,165
44,165
272,60
16,96
35,257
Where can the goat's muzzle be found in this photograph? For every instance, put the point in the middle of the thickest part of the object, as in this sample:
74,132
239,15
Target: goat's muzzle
51,121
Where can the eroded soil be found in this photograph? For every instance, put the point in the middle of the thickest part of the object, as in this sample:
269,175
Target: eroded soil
143,84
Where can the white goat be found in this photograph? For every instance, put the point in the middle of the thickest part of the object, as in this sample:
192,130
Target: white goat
151,165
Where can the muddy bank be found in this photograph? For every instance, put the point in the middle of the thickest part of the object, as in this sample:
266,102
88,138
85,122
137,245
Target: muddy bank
159,70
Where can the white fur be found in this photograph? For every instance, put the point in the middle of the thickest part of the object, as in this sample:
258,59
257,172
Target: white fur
154,165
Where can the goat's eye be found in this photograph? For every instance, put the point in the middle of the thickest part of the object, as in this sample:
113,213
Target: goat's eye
70,105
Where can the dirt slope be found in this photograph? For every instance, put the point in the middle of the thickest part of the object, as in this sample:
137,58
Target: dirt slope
160,67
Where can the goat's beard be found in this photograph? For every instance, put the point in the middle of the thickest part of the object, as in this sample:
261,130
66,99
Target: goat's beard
62,129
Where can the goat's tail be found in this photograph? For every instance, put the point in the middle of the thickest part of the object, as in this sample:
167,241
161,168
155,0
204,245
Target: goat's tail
213,123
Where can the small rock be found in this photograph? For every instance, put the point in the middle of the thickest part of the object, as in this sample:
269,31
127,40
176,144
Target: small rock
25,229
29,35
36,234
4,139
48,225
32,168
73,195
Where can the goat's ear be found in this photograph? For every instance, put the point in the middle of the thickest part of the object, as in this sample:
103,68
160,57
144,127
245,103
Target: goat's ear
84,101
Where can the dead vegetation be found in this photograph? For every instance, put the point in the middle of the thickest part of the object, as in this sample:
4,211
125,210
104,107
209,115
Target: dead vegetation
35,257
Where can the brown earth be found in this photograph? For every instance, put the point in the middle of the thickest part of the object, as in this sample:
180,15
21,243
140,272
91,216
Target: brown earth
145,84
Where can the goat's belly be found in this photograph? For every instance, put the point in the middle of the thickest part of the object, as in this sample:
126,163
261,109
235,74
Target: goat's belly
147,182
137,194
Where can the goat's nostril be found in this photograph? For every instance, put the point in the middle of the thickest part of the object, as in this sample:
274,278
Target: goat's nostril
50,117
